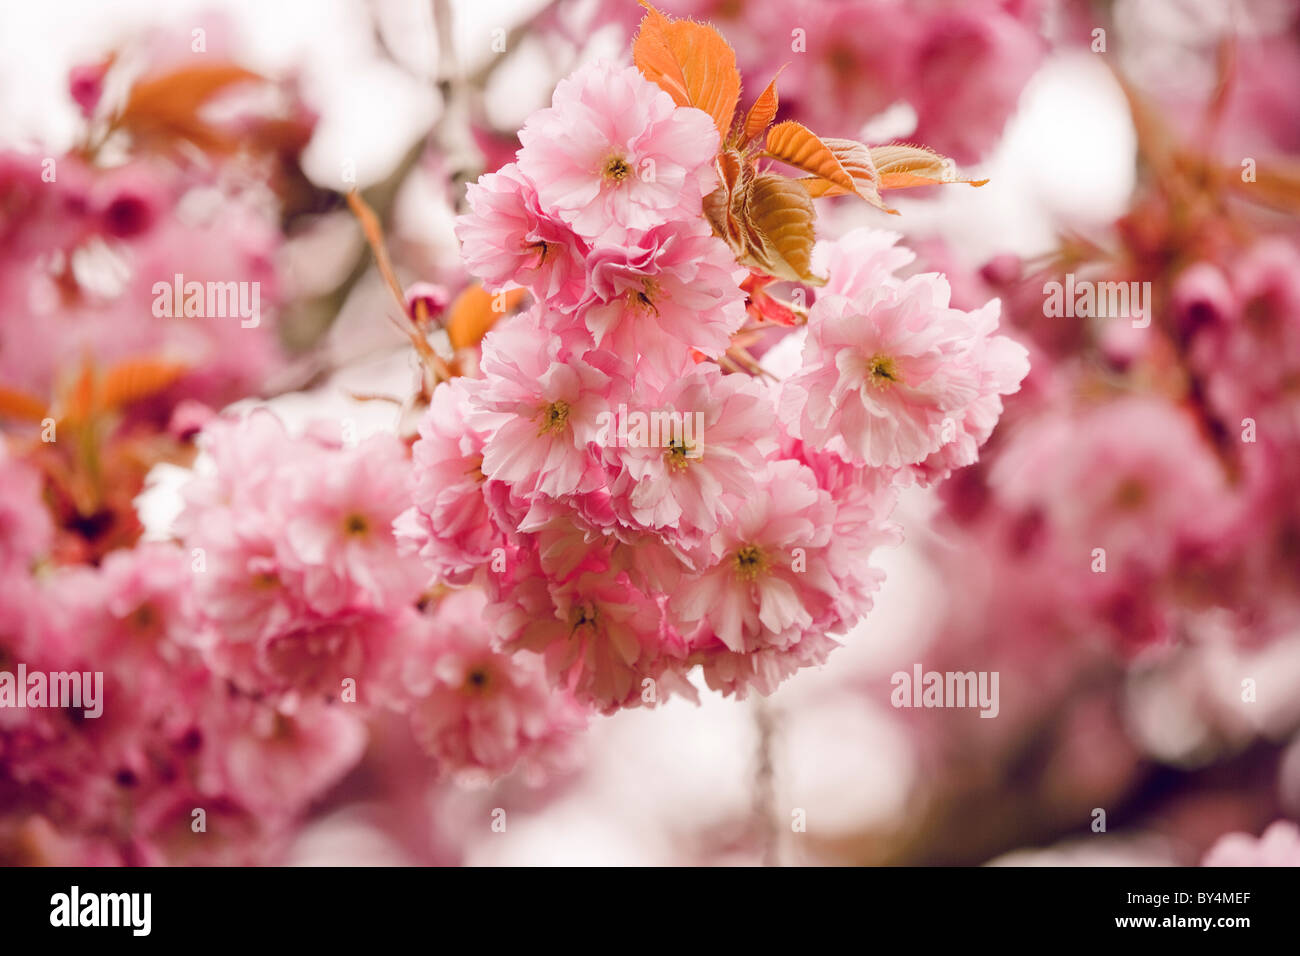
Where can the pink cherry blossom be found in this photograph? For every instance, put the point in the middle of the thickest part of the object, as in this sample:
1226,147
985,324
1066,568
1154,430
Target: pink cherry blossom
768,580
147,599
601,641
476,709
864,501
245,590
670,463
677,286
763,670
550,408
686,483
1095,487
243,454
276,763
26,532
1243,337
449,524
338,526
892,375
971,61
860,261
614,154
508,239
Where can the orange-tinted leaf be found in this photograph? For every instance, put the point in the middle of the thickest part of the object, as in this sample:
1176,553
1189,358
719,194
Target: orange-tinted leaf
717,205
763,111
79,403
856,160
720,206
767,308
1276,186
654,57
18,404
795,144
185,89
782,215
902,167
472,315
691,62
168,106
136,379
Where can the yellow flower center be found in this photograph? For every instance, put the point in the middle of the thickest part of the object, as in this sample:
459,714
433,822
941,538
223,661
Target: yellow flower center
750,562
355,525
882,371
554,417
477,681
643,299
145,620
679,455
584,615
1130,494
616,169
265,580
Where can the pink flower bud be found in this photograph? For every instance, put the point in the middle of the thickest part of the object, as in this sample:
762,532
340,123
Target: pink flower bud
426,301
86,85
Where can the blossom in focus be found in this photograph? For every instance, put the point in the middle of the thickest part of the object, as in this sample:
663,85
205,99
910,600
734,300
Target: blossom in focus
508,238
600,638
550,409
674,287
613,155
892,374
477,709
688,486
767,581
449,523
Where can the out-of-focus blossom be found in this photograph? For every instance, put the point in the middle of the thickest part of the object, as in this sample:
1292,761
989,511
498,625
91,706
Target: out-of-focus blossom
25,529
1279,845
300,580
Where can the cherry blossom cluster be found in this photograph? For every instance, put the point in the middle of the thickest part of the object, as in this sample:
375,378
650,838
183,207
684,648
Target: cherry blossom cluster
627,558
245,665
1148,541
83,248
1129,533
301,596
170,765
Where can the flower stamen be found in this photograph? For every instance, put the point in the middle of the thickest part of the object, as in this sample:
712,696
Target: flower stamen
750,562
554,417
679,455
616,169
477,681
584,615
882,371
